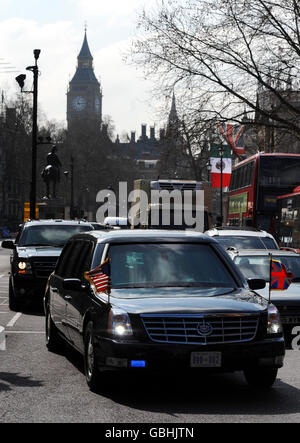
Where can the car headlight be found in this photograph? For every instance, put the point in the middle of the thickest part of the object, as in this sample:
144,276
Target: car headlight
24,267
119,323
274,322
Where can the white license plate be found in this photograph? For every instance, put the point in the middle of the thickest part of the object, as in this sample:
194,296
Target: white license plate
206,359
290,320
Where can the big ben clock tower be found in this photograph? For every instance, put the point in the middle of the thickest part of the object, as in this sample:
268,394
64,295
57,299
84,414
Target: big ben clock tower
84,98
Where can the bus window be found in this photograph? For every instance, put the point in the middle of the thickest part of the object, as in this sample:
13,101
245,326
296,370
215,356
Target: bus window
279,171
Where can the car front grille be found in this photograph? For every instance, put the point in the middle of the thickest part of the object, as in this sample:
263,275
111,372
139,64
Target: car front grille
201,329
43,269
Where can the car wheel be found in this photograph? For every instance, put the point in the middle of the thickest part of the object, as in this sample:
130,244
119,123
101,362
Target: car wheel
261,378
92,373
14,304
54,342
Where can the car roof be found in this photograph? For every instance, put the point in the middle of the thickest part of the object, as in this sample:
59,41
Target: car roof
58,222
264,252
145,235
251,232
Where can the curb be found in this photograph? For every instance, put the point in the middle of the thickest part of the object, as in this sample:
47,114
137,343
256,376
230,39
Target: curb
2,339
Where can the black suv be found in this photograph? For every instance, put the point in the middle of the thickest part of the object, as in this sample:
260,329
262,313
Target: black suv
35,253
177,302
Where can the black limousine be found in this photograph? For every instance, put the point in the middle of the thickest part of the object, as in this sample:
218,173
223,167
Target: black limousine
176,301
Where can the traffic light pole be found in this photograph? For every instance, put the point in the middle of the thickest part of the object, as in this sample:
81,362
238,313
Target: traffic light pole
34,142
21,79
72,189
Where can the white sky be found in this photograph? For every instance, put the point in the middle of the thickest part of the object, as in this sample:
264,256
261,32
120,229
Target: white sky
57,28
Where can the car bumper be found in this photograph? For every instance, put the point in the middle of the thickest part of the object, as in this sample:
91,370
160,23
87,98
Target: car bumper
115,355
27,286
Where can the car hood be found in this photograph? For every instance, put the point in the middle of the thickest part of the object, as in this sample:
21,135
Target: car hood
293,293
187,300
38,251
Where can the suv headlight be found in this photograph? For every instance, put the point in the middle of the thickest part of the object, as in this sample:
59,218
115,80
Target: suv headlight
274,322
24,267
119,323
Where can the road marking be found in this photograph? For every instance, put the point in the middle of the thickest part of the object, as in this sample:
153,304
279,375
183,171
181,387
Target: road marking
2,339
2,275
14,320
25,332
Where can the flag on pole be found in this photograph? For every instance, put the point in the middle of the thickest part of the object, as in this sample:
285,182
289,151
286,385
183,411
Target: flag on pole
233,135
100,277
281,279
216,166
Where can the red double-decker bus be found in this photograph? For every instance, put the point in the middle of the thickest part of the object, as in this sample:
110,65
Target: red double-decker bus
288,225
255,185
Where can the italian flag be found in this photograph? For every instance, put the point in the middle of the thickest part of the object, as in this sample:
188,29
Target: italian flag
216,167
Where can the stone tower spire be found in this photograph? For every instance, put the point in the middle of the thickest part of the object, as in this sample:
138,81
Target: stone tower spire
85,93
173,117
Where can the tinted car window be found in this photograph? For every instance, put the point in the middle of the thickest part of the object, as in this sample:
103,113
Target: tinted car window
164,265
50,235
73,259
269,243
240,242
63,260
84,259
259,267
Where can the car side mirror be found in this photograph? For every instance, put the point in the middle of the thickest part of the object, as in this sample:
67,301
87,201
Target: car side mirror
8,244
72,284
256,283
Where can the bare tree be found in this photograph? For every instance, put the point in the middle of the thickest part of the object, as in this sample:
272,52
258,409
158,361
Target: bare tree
231,54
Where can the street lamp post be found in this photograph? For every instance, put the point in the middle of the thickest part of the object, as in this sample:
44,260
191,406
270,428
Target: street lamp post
20,79
221,152
72,189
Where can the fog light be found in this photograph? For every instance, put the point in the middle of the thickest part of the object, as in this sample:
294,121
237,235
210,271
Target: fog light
117,362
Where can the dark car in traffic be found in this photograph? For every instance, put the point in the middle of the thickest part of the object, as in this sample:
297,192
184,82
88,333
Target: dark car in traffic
177,302
256,264
34,256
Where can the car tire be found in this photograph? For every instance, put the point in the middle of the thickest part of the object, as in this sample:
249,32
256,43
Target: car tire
13,303
54,342
91,370
261,378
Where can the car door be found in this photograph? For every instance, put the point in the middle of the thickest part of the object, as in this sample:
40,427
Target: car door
58,303
78,301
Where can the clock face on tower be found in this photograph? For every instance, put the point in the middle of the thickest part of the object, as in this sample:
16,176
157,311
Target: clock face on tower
97,104
79,104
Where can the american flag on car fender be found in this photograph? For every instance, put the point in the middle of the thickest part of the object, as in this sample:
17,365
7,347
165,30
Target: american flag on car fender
100,277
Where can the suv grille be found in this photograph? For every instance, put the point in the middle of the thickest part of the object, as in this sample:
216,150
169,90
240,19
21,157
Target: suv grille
290,315
43,269
201,329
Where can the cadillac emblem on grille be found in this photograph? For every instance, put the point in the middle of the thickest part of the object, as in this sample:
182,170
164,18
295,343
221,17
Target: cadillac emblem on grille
205,329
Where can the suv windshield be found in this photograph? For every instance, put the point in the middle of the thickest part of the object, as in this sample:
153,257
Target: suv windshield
259,267
167,265
247,242
50,235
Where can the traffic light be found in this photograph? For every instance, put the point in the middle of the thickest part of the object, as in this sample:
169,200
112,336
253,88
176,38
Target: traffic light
21,80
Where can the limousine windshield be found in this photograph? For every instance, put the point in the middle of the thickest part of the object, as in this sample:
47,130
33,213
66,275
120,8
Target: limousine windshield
167,265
